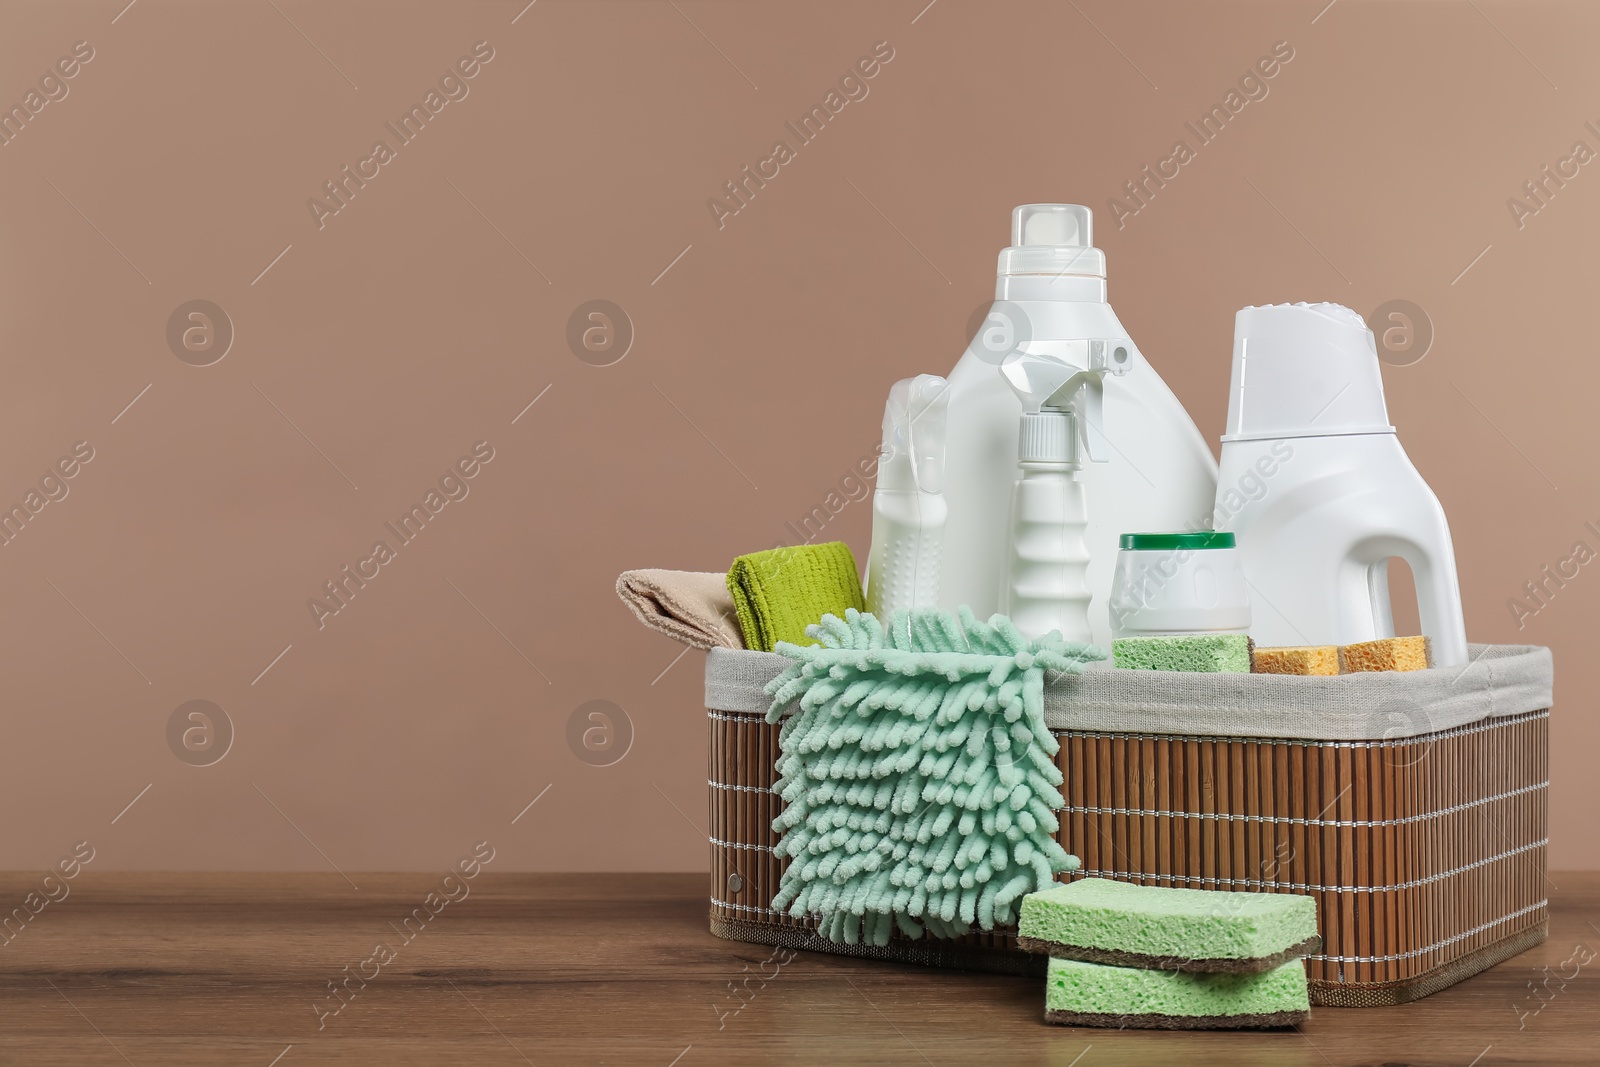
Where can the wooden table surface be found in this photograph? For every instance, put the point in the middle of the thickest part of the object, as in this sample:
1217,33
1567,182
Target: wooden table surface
179,969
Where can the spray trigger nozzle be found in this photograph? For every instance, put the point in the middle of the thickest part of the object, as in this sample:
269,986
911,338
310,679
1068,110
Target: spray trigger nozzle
1049,384
913,433
1114,357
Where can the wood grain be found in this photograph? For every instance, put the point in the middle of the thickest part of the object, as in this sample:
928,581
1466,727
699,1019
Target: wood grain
185,969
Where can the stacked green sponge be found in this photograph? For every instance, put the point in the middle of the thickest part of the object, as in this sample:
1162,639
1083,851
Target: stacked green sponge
1125,955
1102,921
1092,994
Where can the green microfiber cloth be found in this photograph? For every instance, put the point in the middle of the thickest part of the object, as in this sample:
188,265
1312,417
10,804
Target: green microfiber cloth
1129,925
1210,653
917,773
1093,994
779,592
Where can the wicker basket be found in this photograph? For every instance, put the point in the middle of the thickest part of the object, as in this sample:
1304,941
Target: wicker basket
1423,844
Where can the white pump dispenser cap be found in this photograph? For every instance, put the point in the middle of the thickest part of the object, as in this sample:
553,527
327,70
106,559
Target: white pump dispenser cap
1304,370
1052,239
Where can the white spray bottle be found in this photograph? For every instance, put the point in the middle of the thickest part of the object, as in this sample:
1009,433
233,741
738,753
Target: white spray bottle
908,508
1063,414
1050,299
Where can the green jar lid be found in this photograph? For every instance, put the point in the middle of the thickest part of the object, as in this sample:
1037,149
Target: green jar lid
1159,542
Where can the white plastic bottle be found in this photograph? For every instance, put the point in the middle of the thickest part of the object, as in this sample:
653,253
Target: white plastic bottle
908,508
1319,492
1050,295
1048,584
1179,583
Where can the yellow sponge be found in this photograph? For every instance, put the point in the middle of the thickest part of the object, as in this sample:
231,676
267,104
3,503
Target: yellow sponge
1387,654
1307,659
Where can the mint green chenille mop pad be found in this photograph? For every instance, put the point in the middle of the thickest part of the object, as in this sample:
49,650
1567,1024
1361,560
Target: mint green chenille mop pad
917,773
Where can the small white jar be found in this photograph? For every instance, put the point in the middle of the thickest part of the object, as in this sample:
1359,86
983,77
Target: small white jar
1179,583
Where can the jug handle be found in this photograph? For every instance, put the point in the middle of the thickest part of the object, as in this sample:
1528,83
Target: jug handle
1378,594
1439,604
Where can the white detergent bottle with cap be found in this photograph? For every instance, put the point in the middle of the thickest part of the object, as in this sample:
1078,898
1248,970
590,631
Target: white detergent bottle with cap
908,507
1158,474
1319,492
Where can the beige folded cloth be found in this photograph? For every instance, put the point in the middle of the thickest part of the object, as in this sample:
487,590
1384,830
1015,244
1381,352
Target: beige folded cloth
692,606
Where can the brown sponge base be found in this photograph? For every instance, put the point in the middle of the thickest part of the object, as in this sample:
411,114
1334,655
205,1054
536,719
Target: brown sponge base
1252,965
1268,1021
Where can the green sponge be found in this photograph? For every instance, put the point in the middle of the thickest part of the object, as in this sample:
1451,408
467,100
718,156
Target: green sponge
1093,994
1129,925
1209,653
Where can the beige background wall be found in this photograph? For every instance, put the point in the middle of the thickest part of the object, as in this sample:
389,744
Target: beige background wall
372,352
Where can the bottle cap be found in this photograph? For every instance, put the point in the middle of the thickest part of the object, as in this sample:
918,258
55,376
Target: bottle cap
1304,370
1048,436
1159,542
1052,239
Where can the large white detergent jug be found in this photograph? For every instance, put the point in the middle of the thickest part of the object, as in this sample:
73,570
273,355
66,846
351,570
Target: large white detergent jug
1050,299
1318,491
